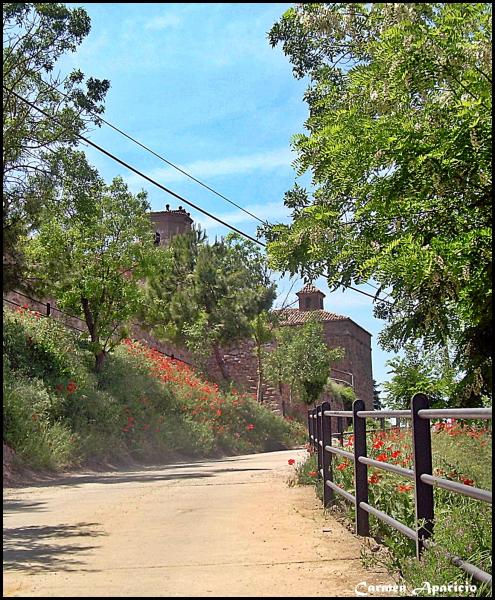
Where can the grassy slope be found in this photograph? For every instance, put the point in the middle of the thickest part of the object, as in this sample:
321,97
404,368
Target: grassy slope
58,413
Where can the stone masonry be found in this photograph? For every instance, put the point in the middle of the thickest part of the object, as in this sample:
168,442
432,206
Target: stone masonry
354,369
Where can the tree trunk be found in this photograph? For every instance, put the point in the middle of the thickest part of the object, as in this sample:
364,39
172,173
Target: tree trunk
281,392
259,390
221,363
100,360
100,355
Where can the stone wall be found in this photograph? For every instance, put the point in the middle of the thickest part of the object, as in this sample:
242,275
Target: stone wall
241,365
357,360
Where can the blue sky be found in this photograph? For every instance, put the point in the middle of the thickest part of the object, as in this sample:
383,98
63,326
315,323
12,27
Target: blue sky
200,85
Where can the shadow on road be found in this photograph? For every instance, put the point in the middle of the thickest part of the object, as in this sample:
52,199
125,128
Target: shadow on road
38,548
12,505
138,476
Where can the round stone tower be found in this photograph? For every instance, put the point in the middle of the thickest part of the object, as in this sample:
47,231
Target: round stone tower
167,223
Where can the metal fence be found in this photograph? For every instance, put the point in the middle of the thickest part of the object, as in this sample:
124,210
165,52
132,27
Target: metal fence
321,435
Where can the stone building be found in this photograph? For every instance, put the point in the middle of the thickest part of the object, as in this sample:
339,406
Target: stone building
354,369
167,223
340,331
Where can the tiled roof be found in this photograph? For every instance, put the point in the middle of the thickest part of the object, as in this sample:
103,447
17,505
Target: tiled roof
309,288
294,316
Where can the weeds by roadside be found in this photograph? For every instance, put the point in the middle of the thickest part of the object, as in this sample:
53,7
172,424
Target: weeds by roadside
463,525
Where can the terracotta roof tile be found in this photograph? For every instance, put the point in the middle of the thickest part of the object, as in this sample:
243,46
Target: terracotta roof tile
294,316
309,288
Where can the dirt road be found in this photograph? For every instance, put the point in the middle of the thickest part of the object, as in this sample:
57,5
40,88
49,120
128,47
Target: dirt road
229,527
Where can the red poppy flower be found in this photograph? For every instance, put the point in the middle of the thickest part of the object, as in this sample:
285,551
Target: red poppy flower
467,481
378,444
382,457
312,473
395,454
71,387
374,478
251,427
342,466
291,461
404,488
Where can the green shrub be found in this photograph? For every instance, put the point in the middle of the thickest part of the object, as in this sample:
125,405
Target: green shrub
142,405
38,441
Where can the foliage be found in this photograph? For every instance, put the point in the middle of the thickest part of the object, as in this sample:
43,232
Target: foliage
419,370
301,359
462,525
215,289
377,402
143,405
341,392
36,35
92,247
399,146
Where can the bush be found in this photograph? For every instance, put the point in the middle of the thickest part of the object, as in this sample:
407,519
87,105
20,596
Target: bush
142,405
27,428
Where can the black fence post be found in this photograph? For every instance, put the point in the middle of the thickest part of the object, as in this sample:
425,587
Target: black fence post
318,447
48,309
310,427
340,429
360,470
315,428
382,424
423,493
326,437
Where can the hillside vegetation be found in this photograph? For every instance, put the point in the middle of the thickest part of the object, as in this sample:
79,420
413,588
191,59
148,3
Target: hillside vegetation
58,413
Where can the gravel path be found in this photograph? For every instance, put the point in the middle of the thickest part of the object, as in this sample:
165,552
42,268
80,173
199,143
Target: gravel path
228,527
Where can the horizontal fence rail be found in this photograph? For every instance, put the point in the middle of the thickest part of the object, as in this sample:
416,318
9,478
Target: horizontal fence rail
321,434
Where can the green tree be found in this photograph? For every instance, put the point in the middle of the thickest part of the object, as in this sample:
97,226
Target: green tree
261,329
93,245
302,360
36,35
399,147
420,370
207,292
377,402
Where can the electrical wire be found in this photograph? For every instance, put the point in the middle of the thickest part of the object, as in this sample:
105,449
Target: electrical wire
134,170
162,187
159,156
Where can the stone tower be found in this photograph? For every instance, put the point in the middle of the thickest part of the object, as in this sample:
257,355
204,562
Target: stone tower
167,223
310,298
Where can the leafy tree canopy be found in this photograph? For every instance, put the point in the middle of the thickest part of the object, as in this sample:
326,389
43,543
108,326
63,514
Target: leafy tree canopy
205,295
93,245
36,35
419,370
399,147
302,360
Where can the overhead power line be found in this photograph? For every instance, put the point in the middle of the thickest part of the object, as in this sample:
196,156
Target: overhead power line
168,162
134,170
162,187
159,156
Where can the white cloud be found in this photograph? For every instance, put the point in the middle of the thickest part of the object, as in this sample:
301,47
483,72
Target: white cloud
271,211
208,169
162,22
